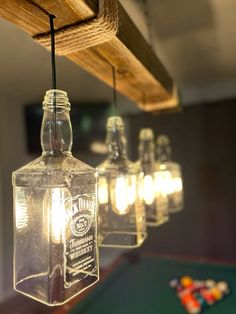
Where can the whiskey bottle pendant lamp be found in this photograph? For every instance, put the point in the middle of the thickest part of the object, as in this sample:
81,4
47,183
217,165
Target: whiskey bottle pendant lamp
55,210
156,206
121,215
169,175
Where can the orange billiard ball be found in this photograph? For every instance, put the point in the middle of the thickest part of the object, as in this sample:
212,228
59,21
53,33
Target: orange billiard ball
186,281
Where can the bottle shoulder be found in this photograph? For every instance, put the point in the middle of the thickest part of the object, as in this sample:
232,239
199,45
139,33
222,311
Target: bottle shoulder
168,166
48,164
122,166
145,167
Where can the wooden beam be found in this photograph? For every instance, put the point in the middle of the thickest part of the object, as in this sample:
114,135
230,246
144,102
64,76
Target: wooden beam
153,106
139,72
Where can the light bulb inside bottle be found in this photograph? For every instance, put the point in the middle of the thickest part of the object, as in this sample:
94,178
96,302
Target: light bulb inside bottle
102,191
55,205
22,215
163,183
121,200
148,189
177,185
123,193
55,214
122,190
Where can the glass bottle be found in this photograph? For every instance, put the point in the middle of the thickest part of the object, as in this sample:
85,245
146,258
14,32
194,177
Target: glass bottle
156,206
121,215
169,178
55,214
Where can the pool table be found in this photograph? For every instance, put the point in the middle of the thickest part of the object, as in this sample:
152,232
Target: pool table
140,285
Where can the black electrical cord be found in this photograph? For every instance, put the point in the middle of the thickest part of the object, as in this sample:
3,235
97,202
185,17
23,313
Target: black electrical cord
53,61
53,64
114,87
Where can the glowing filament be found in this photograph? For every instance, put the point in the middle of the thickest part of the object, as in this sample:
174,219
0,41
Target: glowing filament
58,214
177,185
148,189
122,191
121,197
163,183
22,214
102,191
54,209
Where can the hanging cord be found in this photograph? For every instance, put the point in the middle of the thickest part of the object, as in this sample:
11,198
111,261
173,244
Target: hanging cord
39,7
53,63
150,36
149,24
114,88
92,32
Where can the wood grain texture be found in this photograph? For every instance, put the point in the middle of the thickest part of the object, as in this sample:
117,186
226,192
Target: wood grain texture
153,106
139,71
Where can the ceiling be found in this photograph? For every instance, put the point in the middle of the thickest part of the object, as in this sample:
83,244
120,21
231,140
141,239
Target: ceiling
194,39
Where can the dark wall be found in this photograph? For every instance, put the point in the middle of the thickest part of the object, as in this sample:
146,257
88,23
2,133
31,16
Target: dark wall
203,141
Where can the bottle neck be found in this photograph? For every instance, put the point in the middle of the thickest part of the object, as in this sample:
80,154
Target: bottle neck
163,153
56,130
147,152
116,143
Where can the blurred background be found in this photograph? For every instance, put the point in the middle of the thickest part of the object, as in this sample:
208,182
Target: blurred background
197,45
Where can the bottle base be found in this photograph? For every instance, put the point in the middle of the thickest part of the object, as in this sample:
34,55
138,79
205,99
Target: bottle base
38,295
158,222
123,240
175,210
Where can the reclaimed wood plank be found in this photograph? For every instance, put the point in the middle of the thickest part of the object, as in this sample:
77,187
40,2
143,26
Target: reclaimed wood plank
138,69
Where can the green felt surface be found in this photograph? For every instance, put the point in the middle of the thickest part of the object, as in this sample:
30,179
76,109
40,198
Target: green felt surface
143,288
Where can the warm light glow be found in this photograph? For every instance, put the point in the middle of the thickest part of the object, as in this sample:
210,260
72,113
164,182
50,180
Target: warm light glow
22,215
148,189
55,201
140,188
98,148
120,195
55,214
58,215
132,190
163,183
102,191
177,185
123,193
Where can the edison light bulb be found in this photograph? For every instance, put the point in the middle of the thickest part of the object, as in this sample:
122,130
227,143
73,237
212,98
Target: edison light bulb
102,191
156,207
57,202
121,213
177,184
55,210
58,215
163,182
123,186
21,211
121,203
169,178
148,189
